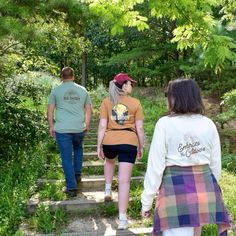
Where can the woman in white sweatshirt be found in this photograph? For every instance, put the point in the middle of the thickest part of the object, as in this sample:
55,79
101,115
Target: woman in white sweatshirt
184,165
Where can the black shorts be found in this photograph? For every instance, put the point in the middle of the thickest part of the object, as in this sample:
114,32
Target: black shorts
125,152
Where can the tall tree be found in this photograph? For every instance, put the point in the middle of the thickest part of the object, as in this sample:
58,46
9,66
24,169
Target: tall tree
195,27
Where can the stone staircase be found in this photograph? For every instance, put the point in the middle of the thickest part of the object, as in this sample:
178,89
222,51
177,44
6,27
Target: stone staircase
90,196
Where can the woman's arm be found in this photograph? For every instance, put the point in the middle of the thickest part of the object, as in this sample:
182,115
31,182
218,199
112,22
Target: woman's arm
140,133
215,164
101,132
155,168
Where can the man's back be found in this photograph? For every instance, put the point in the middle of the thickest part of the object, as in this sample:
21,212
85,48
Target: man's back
69,99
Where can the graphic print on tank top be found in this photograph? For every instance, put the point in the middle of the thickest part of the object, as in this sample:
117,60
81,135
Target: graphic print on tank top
190,146
120,113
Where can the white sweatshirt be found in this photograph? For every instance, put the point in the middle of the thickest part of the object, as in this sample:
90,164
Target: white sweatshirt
183,140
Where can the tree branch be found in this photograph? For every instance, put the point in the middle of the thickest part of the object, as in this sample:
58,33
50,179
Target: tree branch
4,50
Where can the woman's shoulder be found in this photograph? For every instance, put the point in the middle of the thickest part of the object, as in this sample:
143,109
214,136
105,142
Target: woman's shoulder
208,120
163,120
133,100
106,100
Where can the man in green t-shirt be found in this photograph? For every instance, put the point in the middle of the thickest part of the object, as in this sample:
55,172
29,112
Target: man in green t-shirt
73,114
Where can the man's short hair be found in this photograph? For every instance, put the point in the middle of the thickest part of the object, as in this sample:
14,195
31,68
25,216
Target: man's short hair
67,73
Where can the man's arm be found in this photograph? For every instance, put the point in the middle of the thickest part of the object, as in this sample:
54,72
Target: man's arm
88,114
50,116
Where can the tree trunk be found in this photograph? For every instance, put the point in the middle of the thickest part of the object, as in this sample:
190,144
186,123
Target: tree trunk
84,74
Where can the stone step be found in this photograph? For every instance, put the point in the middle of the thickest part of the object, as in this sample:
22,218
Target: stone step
90,145
90,141
100,163
141,231
93,128
95,226
83,201
87,138
88,182
91,134
90,156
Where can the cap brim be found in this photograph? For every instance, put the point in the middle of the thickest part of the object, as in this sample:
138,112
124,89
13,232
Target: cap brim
132,81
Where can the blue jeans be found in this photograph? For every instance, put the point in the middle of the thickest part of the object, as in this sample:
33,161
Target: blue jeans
71,166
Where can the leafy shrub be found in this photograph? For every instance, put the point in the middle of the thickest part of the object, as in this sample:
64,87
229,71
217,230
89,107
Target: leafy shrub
17,183
22,143
229,103
22,105
97,95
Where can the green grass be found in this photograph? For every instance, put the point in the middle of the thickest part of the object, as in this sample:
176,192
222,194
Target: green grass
52,191
46,221
17,184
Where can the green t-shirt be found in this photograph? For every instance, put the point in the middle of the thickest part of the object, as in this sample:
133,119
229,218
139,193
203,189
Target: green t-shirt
69,99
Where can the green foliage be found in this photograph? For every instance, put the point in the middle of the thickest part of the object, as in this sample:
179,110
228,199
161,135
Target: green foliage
229,107
219,49
135,205
97,95
209,230
228,10
108,209
229,162
22,120
226,182
120,13
45,221
59,44
17,183
195,24
52,192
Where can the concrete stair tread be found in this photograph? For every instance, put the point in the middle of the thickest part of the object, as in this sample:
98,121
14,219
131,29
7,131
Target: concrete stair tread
89,145
88,138
83,201
99,163
87,179
90,154
82,198
144,231
98,226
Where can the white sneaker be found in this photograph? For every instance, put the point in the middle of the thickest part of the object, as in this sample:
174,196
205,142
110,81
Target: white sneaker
123,224
108,195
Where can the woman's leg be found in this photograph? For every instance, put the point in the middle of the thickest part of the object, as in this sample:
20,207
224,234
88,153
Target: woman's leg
125,170
109,167
185,231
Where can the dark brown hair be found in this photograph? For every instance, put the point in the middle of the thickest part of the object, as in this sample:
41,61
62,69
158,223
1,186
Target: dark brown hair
67,73
184,96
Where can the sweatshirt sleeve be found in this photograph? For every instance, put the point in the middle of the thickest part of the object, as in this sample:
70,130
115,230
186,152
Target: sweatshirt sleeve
155,167
215,162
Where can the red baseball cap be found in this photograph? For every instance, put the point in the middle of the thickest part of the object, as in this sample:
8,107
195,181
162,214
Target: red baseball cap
121,78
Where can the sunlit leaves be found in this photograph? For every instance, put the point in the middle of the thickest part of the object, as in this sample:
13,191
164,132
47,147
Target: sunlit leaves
228,11
119,14
219,49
